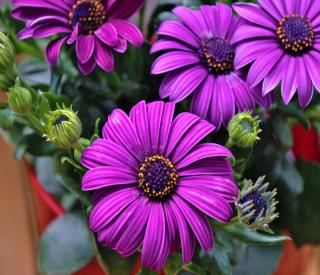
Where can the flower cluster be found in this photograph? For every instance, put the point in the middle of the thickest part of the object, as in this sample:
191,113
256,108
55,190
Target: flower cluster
154,182
96,27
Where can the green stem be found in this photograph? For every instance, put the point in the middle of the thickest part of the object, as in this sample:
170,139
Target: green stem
35,123
141,19
229,144
78,147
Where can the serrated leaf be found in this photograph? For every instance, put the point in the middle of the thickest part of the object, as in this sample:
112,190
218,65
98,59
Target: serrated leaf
65,246
250,236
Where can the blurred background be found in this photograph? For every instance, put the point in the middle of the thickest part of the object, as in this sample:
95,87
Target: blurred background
26,209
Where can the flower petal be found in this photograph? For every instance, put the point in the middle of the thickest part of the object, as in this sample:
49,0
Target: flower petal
104,56
53,50
85,47
108,34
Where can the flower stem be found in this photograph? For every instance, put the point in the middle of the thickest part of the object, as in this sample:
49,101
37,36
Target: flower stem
35,122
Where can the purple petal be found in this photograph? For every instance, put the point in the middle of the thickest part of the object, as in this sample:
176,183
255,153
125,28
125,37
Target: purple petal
104,176
88,67
139,118
208,202
173,60
166,44
224,186
178,31
289,83
186,235
123,9
273,78
85,47
53,50
107,209
120,130
121,46
209,15
252,31
196,133
128,31
271,9
107,33
133,229
104,152
304,7
209,166
181,124
153,247
104,56
264,101
226,100
262,66
187,82
203,151
198,223
305,88
215,116
74,35
223,19
46,30
254,14
313,67
155,111
201,99
166,121
173,230
252,50
193,19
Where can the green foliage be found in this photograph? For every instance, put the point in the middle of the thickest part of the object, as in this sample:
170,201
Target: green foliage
66,245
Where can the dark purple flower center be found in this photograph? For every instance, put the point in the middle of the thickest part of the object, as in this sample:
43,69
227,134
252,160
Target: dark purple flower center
157,177
295,34
217,54
60,119
90,14
258,201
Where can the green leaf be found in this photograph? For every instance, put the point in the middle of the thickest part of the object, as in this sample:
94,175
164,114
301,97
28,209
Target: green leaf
303,220
42,106
283,133
75,188
250,236
295,112
65,246
173,264
145,271
289,176
72,163
45,168
260,260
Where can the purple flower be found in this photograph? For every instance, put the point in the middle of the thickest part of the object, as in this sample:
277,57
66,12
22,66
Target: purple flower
282,39
155,185
95,26
200,61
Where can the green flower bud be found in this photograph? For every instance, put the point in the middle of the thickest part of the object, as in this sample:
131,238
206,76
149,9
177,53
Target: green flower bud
7,54
244,129
19,99
63,128
256,206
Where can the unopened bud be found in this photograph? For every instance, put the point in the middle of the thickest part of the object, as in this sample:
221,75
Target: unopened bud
19,99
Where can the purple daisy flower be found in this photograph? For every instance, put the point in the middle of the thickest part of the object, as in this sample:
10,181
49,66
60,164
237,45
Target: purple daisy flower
95,26
200,61
282,39
155,185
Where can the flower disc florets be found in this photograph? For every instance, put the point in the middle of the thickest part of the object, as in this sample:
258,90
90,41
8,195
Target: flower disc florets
256,206
63,128
157,177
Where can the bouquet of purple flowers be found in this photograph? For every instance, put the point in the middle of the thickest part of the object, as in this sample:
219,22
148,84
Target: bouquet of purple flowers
158,126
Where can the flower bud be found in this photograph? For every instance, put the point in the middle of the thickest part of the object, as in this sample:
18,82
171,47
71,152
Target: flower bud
19,99
7,54
63,128
244,129
256,206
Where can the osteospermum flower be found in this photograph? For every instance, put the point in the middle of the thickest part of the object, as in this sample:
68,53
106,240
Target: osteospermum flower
95,26
256,206
282,39
200,61
155,185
